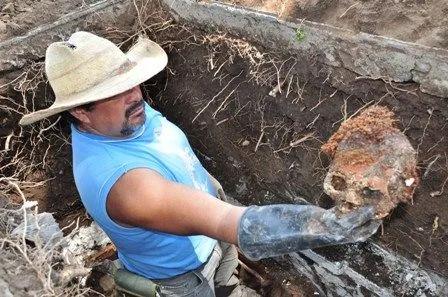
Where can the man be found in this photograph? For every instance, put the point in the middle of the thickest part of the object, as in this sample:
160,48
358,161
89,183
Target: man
141,182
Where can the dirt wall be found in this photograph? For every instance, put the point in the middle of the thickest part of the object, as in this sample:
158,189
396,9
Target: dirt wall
256,113
420,21
266,150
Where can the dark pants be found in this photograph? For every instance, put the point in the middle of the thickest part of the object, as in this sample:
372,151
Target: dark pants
215,278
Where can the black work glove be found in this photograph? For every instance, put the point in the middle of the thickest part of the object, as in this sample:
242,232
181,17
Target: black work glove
266,231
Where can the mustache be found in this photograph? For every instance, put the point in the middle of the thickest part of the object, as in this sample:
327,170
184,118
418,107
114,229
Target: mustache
133,107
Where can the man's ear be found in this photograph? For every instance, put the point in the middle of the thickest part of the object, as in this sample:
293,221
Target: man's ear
81,114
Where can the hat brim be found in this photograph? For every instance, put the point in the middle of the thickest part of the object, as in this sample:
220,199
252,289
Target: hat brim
149,59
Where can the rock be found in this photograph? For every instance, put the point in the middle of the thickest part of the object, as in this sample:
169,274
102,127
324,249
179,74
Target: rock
86,239
107,283
14,28
8,8
2,27
4,289
422,67
41,227
23,8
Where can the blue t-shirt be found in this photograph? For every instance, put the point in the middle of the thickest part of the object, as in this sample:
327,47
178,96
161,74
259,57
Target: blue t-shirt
99,161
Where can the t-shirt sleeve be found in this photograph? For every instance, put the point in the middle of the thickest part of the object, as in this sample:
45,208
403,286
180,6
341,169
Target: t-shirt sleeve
95,186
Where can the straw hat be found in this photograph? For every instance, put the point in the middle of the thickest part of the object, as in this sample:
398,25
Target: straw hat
88,68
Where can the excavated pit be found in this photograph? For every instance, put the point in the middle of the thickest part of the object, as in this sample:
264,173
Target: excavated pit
218,87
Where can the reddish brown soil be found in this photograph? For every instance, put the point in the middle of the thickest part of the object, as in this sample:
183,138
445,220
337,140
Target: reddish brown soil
374,122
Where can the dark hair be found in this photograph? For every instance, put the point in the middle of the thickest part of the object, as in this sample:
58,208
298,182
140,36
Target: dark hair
73,120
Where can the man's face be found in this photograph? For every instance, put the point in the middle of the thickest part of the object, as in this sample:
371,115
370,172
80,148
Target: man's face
118,116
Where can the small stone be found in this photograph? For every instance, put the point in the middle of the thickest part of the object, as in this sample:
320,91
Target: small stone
245,143
423,67
23,8
107,283
409,181
2,27
338,265
14,27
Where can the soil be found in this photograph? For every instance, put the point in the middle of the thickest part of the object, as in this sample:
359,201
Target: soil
18,17
247,142
420,21
263,149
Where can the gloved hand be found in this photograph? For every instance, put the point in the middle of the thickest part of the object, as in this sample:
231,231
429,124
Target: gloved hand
266,231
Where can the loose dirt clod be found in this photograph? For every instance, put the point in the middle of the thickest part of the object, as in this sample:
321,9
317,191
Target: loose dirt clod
373,163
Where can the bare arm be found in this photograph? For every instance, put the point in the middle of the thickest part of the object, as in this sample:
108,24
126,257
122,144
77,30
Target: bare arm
143,198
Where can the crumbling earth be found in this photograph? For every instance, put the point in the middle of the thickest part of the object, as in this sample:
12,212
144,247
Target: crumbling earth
373,163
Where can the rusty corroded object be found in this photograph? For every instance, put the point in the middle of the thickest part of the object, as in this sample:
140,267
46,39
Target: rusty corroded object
373,163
